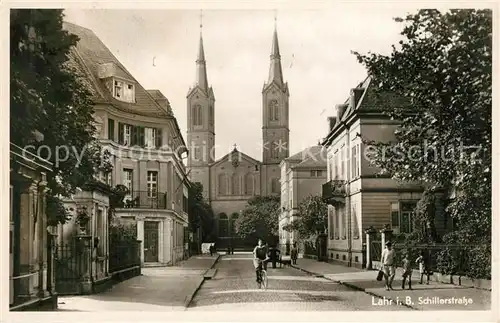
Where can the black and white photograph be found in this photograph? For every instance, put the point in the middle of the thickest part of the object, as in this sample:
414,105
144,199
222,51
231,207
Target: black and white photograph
273,159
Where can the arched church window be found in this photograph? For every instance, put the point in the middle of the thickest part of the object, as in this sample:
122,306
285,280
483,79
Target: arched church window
196,115
222,184
274,150
249,184
235,183
273,110
223,225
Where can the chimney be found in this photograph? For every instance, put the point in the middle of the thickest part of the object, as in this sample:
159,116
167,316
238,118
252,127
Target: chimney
356,94
331,123
340,108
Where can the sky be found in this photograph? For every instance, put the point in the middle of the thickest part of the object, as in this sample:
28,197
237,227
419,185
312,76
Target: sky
159,48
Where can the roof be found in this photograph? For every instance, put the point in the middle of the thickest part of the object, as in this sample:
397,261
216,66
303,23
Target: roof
372,101
316,158
302,155
234,152
90,54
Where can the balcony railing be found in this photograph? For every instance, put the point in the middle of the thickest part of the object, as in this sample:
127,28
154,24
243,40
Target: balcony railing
146,200
334,191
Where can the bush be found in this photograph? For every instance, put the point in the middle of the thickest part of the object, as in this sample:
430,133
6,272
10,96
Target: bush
122,233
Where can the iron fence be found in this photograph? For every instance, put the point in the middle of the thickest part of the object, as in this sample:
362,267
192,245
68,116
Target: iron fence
124,255
446,258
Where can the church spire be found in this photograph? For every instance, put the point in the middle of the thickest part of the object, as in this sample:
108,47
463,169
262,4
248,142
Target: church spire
201,66
275,71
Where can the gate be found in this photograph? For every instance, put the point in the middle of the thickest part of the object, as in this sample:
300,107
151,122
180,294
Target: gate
151,241
71,261
375,250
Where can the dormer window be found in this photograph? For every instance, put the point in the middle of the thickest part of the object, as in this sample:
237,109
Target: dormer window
124,91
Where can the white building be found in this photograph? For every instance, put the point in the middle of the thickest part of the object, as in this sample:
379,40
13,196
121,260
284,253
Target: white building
139,128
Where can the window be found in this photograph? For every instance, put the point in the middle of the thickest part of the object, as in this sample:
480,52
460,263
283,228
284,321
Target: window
354,224
235,184
124,91
128,94
336,163
330,223
337,223
249,184
196,115
316,173
152,183
342,162
111,129
274,150
118,90
127,135
355,162
273,110
211,111
151,134
344,223
222,184
402,214
128,175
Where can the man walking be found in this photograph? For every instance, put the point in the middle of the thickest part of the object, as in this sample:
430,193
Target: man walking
388,267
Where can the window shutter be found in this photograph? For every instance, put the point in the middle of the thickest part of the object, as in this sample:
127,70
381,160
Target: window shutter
111,129
141,131
158,138
120,133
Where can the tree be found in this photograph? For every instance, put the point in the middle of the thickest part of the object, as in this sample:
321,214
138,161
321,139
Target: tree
260,218
200,213
48,95
312,218
443,66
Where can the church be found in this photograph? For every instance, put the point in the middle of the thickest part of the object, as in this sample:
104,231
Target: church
230,181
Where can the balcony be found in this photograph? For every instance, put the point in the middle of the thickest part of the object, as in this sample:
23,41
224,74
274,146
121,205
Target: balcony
146,200
333,192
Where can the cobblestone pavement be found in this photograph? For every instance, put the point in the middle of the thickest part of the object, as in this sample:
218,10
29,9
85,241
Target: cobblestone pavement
234,288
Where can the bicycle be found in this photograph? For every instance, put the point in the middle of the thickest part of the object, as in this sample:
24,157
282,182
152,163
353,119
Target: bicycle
263,274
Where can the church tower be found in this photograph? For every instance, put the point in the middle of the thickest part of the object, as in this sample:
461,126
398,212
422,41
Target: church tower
275,131
201,124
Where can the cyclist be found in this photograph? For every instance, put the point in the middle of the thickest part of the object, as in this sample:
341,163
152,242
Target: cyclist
259,259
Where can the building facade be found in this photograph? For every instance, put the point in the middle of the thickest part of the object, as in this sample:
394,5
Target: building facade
360,198
32,283
138,127
302,175
232,180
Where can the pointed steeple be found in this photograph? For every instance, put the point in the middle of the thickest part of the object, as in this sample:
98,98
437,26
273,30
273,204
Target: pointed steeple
201,65
275,71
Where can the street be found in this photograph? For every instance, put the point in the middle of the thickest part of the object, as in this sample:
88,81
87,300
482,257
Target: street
234,288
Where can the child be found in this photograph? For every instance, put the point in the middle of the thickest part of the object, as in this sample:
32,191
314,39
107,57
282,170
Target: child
407,270
423,266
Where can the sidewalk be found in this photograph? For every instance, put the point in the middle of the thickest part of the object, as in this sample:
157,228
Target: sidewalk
157,289
435,296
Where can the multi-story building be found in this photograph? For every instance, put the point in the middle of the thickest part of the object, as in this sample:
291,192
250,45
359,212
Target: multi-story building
140,130
302,175
358,196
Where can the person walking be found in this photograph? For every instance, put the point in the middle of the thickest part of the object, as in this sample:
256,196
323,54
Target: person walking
407,271
423,266
294,253
388,267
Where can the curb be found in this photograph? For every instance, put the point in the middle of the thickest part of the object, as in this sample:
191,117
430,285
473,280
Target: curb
353,287
190,297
